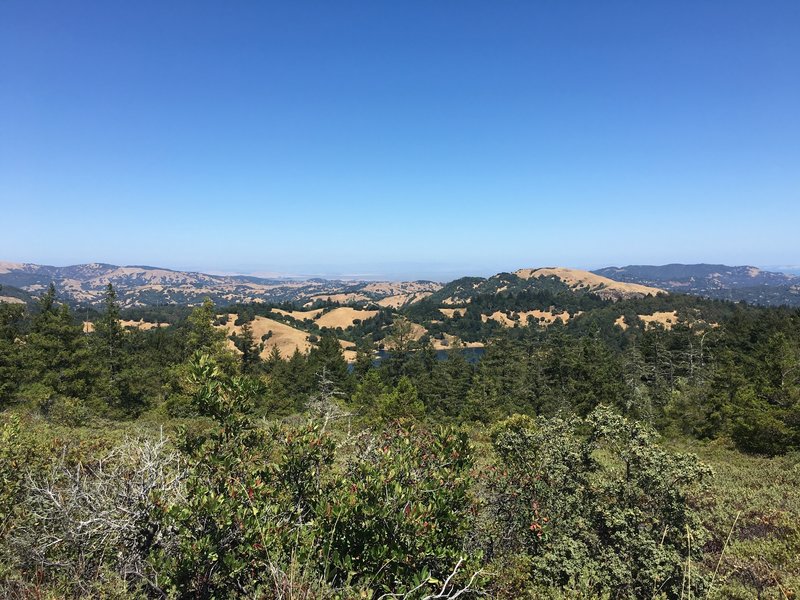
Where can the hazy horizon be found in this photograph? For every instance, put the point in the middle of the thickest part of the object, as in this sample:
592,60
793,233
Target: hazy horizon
431,272
414,138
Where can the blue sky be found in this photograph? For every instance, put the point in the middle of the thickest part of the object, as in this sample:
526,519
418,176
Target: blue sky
426,139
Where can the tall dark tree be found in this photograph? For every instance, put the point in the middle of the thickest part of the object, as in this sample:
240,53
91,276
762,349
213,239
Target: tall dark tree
246,343
11,367
328,355
56,352
203,336
365,357
108,341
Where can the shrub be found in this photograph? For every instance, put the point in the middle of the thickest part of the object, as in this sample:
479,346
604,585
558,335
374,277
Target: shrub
593,501
401,512
88,529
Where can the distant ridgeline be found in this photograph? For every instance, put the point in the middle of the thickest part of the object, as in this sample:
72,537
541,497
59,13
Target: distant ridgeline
153,286
749,284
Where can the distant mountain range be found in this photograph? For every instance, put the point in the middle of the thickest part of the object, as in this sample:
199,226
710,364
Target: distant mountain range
750,284
148,286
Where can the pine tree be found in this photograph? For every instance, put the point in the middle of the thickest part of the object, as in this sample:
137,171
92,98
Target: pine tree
56,353
365,357
10,349
367,393
402,402
273,361
108,341
203,336
251,351
329,355
455,381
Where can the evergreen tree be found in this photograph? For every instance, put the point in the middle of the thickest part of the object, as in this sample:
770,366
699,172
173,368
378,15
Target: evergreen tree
400,344
328,355
57,357
455,380
365,356
368,392
11,367
402,402
203,336
108,340
273,361
250,359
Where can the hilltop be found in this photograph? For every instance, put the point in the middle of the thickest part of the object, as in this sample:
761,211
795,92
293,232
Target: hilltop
605,287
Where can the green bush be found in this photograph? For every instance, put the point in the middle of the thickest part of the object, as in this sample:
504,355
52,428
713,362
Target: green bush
595,501
401,513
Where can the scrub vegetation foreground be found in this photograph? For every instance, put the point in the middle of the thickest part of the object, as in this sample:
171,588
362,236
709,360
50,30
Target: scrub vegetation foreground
578,460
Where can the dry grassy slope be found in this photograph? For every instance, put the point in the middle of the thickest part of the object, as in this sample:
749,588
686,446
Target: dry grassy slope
396,288
543,317
339,298
590,282
401,300
88,326
344,317
299,315
666,318
451,312
285,337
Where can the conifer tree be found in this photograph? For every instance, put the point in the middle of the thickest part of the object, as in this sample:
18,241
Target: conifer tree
56,354
10,349
368,392
203,336
251,351
109,338
329,355
365,356
402,402
273,361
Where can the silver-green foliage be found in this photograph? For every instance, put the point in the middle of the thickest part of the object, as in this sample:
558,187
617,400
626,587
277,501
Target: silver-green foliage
594,500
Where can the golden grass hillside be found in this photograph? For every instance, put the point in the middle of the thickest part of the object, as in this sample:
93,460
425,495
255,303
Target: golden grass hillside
597,284
344,317
284,337
520,318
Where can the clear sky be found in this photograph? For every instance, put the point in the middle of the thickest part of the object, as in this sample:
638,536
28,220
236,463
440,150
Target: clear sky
399,138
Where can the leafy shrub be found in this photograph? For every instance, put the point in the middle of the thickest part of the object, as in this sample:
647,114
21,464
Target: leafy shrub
13,456
401,512
68,411
595,501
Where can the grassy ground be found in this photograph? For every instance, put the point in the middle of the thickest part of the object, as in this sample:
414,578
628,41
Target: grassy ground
762,557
